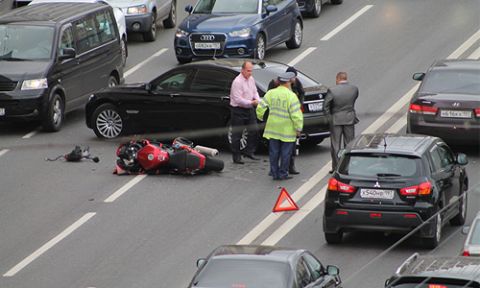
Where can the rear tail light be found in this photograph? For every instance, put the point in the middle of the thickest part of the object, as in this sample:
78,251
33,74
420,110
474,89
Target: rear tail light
409,216
466,253
335,185
342,212
423,109
477,112
437,286
375,215
422,189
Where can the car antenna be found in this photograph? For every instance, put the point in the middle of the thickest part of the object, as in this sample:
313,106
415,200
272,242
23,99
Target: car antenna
384,144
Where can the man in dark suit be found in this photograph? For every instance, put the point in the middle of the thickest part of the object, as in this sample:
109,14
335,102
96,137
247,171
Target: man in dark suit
340,105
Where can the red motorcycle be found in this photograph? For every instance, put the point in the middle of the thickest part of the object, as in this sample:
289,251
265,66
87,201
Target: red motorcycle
153,157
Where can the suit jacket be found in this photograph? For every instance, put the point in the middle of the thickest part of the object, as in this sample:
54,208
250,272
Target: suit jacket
340,104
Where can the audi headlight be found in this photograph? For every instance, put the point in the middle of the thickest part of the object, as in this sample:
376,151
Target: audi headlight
245,32
181,33
141,9
34,84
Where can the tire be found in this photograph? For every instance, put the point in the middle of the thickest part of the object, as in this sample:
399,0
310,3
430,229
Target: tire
336,2
317,8
334,238
107,121
312,142
171,21
243,139
459,219
183,60
53,119
260,47
151,35
212,164
124,48
112,81
297,36
432,242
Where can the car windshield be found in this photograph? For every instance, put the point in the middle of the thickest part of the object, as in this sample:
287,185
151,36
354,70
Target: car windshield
248,273
381,165
20,43
452,81
264,76
226,6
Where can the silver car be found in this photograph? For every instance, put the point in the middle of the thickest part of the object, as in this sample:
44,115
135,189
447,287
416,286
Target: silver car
472,243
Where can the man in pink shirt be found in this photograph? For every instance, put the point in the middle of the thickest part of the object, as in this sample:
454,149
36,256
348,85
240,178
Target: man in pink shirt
243,100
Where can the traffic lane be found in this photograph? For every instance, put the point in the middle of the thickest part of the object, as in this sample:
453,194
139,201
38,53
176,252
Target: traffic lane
5,6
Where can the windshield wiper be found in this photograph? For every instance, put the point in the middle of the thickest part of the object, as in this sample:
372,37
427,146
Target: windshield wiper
388,175
13,59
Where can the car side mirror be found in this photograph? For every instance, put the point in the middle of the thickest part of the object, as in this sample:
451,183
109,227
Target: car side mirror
271,9
67,53
189,9
201,262
462,159
418,76
465,230
333,270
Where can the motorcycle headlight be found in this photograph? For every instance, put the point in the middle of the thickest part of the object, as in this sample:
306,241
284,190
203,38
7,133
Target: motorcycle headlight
181,33
34,84
141,9
245,32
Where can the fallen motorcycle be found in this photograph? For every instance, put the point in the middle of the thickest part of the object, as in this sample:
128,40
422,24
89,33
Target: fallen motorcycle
153,157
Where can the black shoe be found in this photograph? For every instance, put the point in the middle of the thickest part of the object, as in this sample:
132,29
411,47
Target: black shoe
238,161
293,171
251,156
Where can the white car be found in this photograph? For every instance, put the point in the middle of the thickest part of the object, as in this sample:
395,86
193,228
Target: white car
472,242
119,18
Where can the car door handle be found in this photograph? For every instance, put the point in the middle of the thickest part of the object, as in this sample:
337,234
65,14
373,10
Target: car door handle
174,95
225,98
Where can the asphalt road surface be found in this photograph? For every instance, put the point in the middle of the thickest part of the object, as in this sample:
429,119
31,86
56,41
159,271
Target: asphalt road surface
76,225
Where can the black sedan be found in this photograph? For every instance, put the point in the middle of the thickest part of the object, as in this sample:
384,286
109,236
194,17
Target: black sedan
447,104
242,266
194,99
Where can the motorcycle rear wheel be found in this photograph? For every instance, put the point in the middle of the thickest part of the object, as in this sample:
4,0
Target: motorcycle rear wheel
212,164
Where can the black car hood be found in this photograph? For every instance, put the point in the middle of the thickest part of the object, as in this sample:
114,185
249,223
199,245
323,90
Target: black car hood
218,22
448,97
22,70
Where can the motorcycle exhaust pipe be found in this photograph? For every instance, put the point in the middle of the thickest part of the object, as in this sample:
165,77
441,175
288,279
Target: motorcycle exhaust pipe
206,150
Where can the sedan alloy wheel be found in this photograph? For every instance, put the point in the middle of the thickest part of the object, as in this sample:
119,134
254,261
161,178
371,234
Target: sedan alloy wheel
108,121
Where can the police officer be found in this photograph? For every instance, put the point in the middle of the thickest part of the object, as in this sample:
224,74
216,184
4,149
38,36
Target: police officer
284,124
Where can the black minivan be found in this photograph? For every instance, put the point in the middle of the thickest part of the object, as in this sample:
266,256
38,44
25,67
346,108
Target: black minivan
53,57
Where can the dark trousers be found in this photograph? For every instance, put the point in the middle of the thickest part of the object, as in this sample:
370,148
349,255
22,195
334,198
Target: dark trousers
241,119
337,134
279,154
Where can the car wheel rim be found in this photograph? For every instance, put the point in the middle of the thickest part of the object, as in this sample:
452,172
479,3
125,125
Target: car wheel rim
243,138
439,227
318,6
464,207
124,52
260,48
109,123
298,33
174,14
57,112
154,25
112,82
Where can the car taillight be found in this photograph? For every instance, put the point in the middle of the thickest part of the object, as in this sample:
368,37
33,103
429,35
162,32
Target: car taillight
437,286
422,189
477,112
335,185
423,109
466,253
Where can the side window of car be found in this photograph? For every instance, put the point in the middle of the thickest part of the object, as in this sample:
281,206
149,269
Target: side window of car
446,156
212,81
173,82
66,40
314,265
303,274
87,34
105,28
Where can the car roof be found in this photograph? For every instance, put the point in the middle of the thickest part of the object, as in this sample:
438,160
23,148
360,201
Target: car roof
50,13
456,64
456,267
257,252
236,63
402,144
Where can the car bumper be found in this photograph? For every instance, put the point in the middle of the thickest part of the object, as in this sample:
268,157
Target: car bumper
315,128
139,23
22,104
232,47
305,6
457,133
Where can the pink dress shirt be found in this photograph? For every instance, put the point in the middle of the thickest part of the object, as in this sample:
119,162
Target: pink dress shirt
243,91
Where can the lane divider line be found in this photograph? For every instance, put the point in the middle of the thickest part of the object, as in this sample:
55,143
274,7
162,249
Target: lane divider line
3,152
397,126
460,50
31,134
124,188
475,55
301,56
136,67
48,245
346,23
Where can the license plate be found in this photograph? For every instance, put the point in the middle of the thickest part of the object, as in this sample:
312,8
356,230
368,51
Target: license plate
455,114
377,194
314,107
2,111
214,45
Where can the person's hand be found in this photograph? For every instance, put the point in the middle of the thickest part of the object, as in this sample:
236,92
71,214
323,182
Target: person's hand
254,102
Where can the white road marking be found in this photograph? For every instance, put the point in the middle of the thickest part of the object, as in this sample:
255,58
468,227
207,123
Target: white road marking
48,245
475,55
139,65
3,152
30,135
346,23
460,50
395,128
125,188
301,56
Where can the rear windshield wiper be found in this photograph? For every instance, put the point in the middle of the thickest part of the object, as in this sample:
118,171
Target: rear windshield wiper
388,175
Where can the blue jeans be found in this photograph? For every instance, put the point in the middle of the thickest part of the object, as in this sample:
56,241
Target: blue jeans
279,153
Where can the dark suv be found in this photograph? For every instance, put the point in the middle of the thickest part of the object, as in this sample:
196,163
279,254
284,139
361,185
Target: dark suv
436,272
394,183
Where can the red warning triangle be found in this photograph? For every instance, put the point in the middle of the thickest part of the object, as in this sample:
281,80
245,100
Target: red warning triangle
284,202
